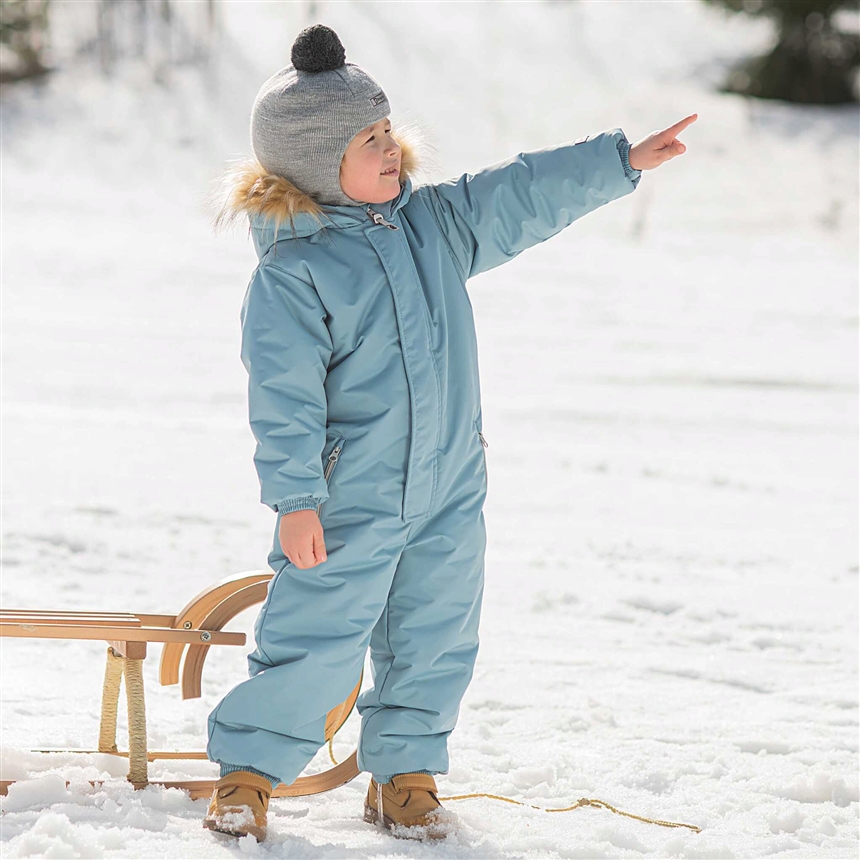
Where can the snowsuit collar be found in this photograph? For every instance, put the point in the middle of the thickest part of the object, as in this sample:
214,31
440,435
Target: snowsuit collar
265,233
279,210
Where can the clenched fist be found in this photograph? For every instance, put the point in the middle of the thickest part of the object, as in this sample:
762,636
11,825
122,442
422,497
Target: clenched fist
659,146
301,537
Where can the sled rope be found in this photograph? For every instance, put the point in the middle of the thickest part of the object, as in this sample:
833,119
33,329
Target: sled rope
137,757
110,702
583,801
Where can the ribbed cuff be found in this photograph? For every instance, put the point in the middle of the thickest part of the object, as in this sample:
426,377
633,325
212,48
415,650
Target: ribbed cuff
232,768
387,777
303,503
623,147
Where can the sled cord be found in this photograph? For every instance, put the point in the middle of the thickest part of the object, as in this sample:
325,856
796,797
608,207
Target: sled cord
583,801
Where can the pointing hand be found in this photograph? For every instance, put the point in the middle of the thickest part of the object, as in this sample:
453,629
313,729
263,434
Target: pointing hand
659,146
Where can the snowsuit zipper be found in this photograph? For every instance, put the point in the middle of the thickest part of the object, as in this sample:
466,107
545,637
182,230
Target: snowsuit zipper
378,218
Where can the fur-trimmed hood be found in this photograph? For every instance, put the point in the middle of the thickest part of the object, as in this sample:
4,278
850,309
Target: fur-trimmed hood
269,201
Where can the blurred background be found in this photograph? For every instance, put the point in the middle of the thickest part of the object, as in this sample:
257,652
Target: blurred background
669,388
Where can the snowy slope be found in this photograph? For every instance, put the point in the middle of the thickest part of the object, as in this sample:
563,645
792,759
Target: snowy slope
670,400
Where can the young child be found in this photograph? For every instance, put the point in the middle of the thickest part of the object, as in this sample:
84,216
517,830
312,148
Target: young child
364,398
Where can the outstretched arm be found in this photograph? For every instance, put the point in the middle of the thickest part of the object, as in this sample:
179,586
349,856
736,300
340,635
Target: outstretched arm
492,216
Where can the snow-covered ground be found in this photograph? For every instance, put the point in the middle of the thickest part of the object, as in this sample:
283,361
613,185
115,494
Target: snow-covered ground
670,400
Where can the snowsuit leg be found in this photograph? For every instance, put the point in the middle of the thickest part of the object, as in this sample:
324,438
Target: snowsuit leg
410,590
312,634
424,647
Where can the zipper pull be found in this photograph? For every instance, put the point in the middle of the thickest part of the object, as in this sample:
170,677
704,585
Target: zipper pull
378,218
483,440
332,461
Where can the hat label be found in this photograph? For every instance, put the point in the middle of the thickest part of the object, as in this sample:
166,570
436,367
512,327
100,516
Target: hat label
378,99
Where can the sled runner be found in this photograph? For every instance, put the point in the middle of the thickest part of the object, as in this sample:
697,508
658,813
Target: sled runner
188,635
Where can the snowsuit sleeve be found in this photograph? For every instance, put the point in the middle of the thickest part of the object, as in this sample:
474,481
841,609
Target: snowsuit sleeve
492,216
286,349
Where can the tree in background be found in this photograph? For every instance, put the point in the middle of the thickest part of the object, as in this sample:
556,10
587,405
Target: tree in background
165,33
160,33
23,39
812,62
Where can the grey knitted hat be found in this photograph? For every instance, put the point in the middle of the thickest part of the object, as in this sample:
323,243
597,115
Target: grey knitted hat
306,114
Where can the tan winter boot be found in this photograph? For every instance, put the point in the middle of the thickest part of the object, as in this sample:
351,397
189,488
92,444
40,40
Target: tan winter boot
239,805
409,806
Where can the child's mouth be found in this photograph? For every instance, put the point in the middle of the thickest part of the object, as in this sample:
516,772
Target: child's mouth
392,171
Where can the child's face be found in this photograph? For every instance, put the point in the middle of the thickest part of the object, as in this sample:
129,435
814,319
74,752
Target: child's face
369,155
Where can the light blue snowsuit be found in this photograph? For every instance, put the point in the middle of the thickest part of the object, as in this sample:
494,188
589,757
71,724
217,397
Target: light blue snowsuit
364,397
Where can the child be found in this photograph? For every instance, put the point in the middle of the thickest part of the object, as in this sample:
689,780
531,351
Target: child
359,341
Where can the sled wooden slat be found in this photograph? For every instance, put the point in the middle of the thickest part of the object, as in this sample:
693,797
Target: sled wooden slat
144,618
130,633
9,617
65,613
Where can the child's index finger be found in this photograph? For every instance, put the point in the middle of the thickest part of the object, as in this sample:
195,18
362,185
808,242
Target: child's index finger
680,126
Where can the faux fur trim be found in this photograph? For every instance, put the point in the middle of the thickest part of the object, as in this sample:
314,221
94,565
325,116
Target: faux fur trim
247,188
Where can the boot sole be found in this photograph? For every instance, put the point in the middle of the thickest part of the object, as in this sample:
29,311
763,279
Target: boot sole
258,833
371,816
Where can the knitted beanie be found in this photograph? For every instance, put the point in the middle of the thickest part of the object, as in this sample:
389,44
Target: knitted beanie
306,114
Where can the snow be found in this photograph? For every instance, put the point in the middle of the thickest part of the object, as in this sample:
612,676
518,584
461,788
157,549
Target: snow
670,402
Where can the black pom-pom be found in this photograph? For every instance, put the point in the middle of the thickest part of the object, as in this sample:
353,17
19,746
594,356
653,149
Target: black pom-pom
318,49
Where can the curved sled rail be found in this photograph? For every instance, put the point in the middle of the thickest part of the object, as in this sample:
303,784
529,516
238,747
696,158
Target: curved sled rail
195,612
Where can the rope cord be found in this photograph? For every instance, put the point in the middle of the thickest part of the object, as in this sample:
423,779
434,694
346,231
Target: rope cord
137,758
110,702
583,801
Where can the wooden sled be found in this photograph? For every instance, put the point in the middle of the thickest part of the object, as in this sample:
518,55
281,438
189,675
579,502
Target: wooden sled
190,634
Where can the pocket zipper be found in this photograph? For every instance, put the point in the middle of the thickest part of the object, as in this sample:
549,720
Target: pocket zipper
329,467
484,446
332,461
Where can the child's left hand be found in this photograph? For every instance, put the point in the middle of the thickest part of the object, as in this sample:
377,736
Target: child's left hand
659,146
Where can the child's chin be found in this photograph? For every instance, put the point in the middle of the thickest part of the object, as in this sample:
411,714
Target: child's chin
386,194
